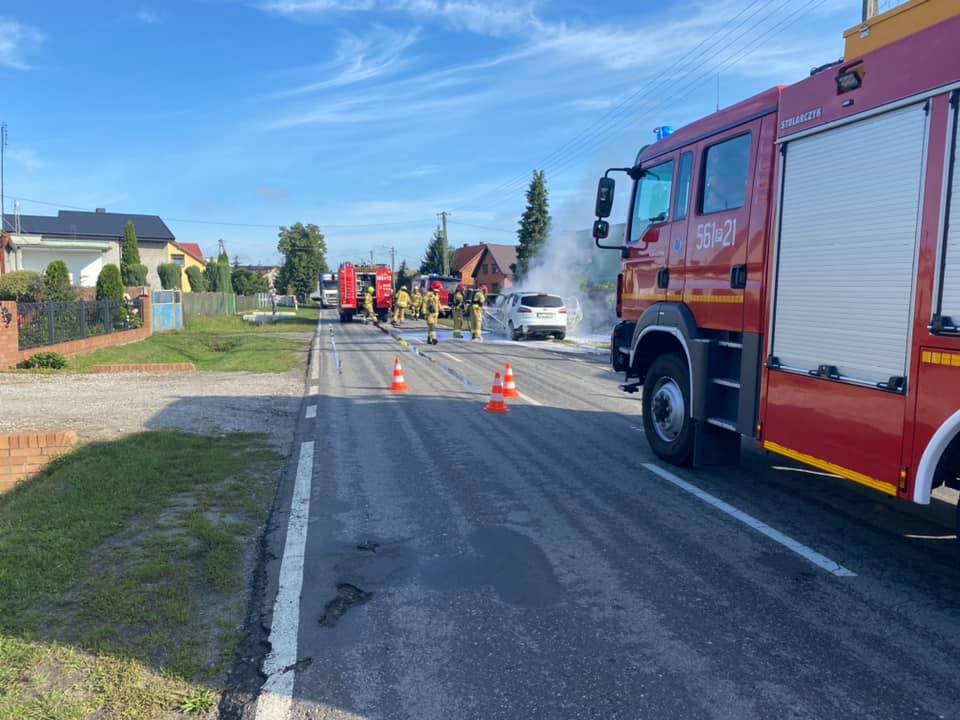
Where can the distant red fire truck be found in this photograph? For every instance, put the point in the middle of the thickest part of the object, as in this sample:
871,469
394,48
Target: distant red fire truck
354,281
791,267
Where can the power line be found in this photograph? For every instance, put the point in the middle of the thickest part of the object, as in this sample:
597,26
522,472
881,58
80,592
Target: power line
559,165
713,39
483,227
629,114
396,223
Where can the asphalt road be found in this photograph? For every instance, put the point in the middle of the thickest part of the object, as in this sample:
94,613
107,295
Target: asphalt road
459,564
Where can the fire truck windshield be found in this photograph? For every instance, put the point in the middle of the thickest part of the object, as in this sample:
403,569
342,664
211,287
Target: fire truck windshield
651,202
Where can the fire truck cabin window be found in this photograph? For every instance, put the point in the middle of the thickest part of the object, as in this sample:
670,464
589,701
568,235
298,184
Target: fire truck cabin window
725,175
651,202
684,174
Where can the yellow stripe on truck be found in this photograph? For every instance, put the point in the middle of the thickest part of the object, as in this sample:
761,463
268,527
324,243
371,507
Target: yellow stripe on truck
830,467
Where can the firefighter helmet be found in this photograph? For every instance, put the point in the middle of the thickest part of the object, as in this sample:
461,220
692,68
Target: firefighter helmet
483,288
370,289
436,285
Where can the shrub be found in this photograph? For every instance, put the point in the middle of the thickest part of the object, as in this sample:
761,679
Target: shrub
246,282
22,286
134,275
170,276
109,285
198,282
49,360
56,283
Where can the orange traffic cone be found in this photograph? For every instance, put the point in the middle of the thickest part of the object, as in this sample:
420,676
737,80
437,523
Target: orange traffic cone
399,383
510,383
496,404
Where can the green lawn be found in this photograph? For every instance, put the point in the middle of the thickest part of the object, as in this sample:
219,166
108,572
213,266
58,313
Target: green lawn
122,577
215,344
304,320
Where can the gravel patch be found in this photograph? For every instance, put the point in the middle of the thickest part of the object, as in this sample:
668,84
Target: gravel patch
106,406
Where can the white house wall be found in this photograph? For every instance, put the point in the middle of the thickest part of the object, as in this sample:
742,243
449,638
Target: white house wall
84,265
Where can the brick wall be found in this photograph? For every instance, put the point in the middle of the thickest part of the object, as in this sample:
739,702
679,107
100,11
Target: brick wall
23,455
9,335
11,355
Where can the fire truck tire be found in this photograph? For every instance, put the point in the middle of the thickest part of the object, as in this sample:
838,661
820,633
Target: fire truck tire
345,317
666,409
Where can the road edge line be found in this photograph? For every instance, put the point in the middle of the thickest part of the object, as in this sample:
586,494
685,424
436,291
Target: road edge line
808,553
275,700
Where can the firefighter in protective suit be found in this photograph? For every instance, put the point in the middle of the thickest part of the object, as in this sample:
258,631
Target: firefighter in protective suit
400,305
458,306
476,313
416,303
368,298
431,309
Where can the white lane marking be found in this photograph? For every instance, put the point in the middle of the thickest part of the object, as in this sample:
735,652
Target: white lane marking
315,370
311,411
812,555
530,400
276,694
452,357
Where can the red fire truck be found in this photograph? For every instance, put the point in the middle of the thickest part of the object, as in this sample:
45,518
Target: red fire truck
448,287
354,281
791,267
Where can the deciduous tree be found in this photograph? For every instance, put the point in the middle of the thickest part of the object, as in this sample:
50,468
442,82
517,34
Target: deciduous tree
305,256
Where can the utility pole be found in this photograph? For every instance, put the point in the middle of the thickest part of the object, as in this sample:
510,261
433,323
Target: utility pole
3,197
444,245
393,261
870,8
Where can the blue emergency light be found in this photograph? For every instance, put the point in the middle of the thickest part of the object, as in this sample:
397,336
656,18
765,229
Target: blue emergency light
663,131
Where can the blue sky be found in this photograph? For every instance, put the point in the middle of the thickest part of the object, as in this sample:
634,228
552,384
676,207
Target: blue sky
367,117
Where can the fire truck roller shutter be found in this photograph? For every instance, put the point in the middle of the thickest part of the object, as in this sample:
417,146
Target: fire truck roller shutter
849,219
950,290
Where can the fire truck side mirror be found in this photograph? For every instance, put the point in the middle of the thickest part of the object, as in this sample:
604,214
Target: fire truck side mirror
601,229
605,197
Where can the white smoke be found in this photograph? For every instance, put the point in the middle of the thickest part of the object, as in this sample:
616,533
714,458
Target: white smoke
570,265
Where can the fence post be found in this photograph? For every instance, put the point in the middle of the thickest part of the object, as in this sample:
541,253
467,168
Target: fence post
83,321
51,324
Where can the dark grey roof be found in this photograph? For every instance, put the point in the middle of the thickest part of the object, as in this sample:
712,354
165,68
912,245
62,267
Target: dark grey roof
70,223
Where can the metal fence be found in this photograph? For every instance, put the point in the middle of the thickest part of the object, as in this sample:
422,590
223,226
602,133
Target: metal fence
56,322
205,304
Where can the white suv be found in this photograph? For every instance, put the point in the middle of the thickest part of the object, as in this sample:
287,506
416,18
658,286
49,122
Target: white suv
528,314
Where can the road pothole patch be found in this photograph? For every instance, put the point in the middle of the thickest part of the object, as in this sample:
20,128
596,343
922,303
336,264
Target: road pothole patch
370,547
348,596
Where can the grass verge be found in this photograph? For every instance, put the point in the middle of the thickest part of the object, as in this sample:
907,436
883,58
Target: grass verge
123,573
212,344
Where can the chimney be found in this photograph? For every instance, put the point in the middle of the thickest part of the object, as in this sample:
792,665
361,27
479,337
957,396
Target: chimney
101,211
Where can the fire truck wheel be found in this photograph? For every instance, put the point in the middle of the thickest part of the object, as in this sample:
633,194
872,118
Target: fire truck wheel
666,409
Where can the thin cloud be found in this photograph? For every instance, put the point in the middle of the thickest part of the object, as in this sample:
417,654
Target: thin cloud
149,16
17,43
26,158
272,194
358,59
499,19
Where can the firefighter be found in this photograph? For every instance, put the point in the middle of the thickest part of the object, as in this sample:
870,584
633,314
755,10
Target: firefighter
416,302
458,306
400,306
368,298
476,313
431,309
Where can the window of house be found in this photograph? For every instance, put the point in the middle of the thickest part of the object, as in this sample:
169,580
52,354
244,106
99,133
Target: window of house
651,203
725,167
684,175
495,269
483,269
177,260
